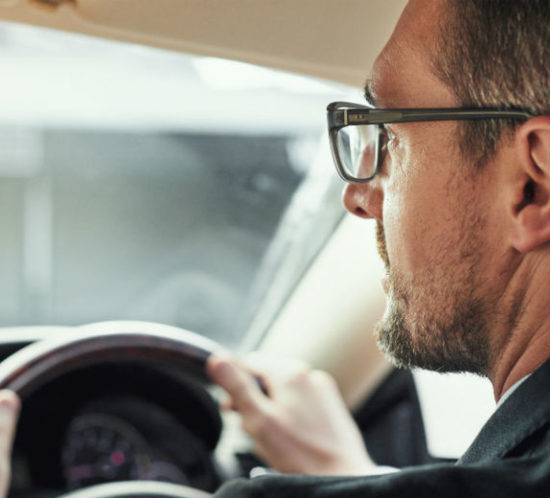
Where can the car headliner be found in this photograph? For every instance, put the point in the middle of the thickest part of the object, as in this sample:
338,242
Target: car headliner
314,37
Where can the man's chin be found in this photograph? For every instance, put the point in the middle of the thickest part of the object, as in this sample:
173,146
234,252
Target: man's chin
427,349
392,337
404,347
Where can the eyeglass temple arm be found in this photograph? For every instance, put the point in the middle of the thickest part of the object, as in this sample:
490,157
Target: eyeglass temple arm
338,118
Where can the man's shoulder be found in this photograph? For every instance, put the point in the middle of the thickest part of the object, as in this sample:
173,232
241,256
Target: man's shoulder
519,426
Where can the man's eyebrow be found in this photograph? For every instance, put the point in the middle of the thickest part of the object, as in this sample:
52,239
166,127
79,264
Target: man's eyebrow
369,93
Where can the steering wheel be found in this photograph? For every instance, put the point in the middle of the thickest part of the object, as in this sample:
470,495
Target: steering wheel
33,366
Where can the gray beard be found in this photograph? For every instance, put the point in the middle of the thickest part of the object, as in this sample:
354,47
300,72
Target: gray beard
455,343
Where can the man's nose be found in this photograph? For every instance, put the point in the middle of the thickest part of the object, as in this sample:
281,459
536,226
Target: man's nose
364,199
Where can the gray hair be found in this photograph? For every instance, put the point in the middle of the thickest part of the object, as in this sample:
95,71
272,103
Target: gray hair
494,53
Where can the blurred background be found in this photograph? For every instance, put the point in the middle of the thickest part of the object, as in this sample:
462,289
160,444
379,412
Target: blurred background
137,183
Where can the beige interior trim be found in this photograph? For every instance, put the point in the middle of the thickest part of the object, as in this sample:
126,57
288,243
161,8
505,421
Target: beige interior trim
329,320
332,39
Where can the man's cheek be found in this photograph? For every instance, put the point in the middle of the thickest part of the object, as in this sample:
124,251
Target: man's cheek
402,245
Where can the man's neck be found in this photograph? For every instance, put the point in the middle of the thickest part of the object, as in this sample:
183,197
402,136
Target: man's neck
526,345
514,367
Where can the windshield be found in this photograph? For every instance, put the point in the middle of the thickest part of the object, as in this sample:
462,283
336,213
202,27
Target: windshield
143,184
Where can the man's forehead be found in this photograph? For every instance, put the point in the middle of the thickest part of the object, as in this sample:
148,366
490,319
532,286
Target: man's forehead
396,71
402,74
420,14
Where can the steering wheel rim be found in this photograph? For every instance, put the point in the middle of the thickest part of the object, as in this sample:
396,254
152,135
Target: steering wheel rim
137,489
35,365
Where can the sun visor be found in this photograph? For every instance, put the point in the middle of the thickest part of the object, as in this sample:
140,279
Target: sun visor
335,40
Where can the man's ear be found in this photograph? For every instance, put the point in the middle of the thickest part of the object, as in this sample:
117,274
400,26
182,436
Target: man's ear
531,185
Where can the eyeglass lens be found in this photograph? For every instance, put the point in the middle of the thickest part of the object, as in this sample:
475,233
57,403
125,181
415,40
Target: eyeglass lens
358,149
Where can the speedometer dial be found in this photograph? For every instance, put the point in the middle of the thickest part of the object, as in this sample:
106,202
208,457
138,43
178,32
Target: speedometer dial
102,448
125,437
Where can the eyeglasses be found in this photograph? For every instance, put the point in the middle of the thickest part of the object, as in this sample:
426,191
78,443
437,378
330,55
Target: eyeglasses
358,137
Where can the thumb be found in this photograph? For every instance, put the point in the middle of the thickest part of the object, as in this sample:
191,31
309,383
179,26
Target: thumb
9,410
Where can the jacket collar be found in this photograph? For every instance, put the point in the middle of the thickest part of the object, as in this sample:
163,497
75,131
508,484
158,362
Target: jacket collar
526,410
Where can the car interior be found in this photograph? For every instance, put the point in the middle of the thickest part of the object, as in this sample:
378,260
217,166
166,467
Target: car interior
168,191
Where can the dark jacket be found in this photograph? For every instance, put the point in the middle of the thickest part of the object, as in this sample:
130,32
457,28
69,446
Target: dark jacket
509,458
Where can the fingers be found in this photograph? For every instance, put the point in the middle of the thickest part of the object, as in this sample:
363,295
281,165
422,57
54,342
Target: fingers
246,395
303,426
9,410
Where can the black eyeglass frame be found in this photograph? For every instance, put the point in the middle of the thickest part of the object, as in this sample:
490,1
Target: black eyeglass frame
342,114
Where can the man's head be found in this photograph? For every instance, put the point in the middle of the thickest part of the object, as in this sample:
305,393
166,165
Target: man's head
459,205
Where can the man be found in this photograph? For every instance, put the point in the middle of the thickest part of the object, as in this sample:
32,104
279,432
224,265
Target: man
462,201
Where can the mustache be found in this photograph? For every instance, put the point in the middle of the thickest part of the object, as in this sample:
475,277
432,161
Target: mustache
381,245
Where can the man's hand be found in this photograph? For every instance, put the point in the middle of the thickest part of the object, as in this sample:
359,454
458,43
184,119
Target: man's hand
9,410
301,424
